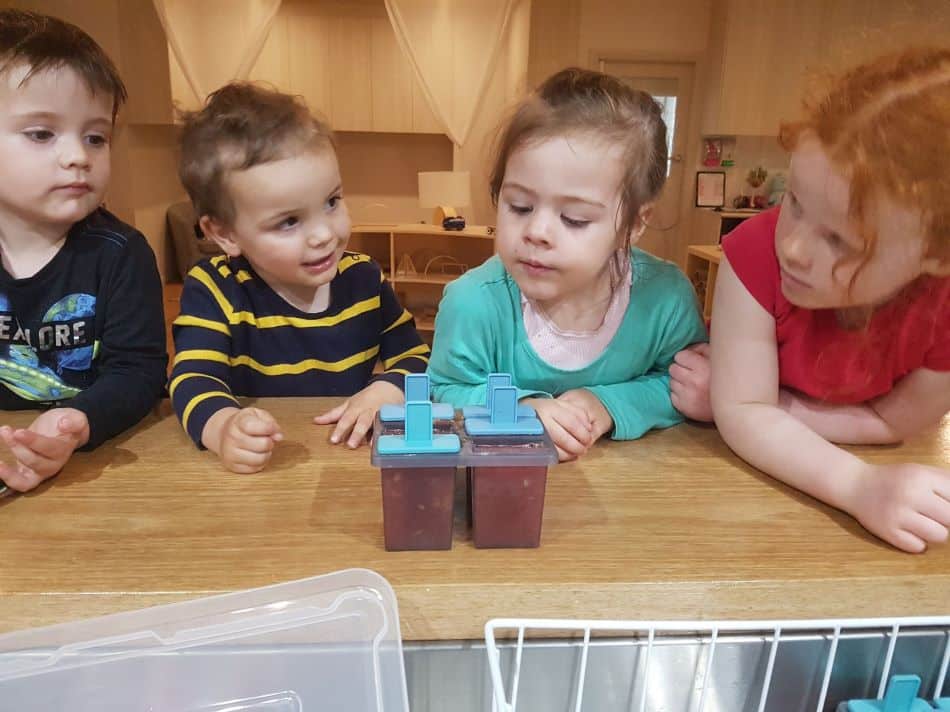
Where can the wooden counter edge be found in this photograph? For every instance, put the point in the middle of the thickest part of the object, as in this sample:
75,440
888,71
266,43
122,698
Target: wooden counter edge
459,611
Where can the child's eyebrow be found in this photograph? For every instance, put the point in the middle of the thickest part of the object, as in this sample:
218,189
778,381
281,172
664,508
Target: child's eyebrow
101,121
563,198
36,115
53,116
336,190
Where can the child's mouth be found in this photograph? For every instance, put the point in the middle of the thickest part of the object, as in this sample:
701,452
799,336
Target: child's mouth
321,265
535,268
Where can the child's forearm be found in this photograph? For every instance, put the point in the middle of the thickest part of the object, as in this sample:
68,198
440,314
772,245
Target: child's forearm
857,424
785,448
118,400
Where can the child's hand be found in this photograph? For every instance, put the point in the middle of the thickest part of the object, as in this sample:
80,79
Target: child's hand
600,421
567,423
689,383
906,505
243,438
44,448
354,417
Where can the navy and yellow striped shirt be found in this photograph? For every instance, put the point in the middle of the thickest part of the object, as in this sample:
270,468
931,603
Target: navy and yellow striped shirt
236,337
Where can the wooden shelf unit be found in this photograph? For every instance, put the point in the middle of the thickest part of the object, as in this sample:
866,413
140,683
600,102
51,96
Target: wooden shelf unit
426,245
702,267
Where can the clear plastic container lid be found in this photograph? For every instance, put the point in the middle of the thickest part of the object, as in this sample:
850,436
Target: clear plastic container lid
324,643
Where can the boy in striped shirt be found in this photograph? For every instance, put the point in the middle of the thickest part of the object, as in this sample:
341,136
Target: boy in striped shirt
286,311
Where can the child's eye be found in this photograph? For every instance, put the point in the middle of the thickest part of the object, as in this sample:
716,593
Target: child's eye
288,223
333,202
97,140
571,222
836,241
39,135
519,209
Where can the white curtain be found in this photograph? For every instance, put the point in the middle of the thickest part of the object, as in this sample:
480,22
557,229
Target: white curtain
194,29
453,47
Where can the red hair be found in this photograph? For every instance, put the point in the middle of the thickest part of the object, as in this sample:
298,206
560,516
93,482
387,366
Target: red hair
886,125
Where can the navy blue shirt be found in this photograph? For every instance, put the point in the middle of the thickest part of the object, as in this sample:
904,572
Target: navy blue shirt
236,337
88,330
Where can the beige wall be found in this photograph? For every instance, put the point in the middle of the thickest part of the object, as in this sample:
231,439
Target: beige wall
658,27
379,173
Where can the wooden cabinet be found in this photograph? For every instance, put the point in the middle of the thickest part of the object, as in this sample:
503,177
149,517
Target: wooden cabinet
764,55
702,268
763,51
345,61
419,260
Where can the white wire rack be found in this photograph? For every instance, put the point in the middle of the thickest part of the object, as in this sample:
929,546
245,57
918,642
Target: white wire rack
702,666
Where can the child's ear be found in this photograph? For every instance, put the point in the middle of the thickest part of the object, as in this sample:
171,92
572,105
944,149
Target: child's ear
220,233
646,211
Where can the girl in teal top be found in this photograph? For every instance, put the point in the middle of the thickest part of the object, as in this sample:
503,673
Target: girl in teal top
587,325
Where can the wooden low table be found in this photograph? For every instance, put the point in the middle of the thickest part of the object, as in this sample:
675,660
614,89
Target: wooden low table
669,526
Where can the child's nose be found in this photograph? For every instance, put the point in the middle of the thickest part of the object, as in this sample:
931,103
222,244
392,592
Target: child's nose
73,153
795,246
320,235
538,229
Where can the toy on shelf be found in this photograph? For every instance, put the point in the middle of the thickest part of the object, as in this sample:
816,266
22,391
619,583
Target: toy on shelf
406,267
446,264
901,696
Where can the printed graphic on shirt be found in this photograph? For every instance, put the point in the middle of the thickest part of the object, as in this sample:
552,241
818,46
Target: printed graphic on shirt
34,358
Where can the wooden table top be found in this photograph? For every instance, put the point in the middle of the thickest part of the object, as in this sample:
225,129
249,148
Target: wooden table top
670,526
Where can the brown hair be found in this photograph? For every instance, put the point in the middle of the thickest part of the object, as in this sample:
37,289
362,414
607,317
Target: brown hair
240,126
885,125
47,43
580,101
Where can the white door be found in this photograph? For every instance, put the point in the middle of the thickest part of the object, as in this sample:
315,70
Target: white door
671,84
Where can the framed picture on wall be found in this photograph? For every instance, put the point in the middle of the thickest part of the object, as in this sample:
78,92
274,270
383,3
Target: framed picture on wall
710,189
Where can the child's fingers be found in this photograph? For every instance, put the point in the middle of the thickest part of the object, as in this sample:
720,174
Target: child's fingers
331,416
344,425
926,528
702,348
71,424
936,508
28,459
577,423
19,478
906,541
577,407
253,443
254,421
246,461
941,484
361,428
676,396
691,360
6,434
563,456
244,468
678,374
43,445
565,440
